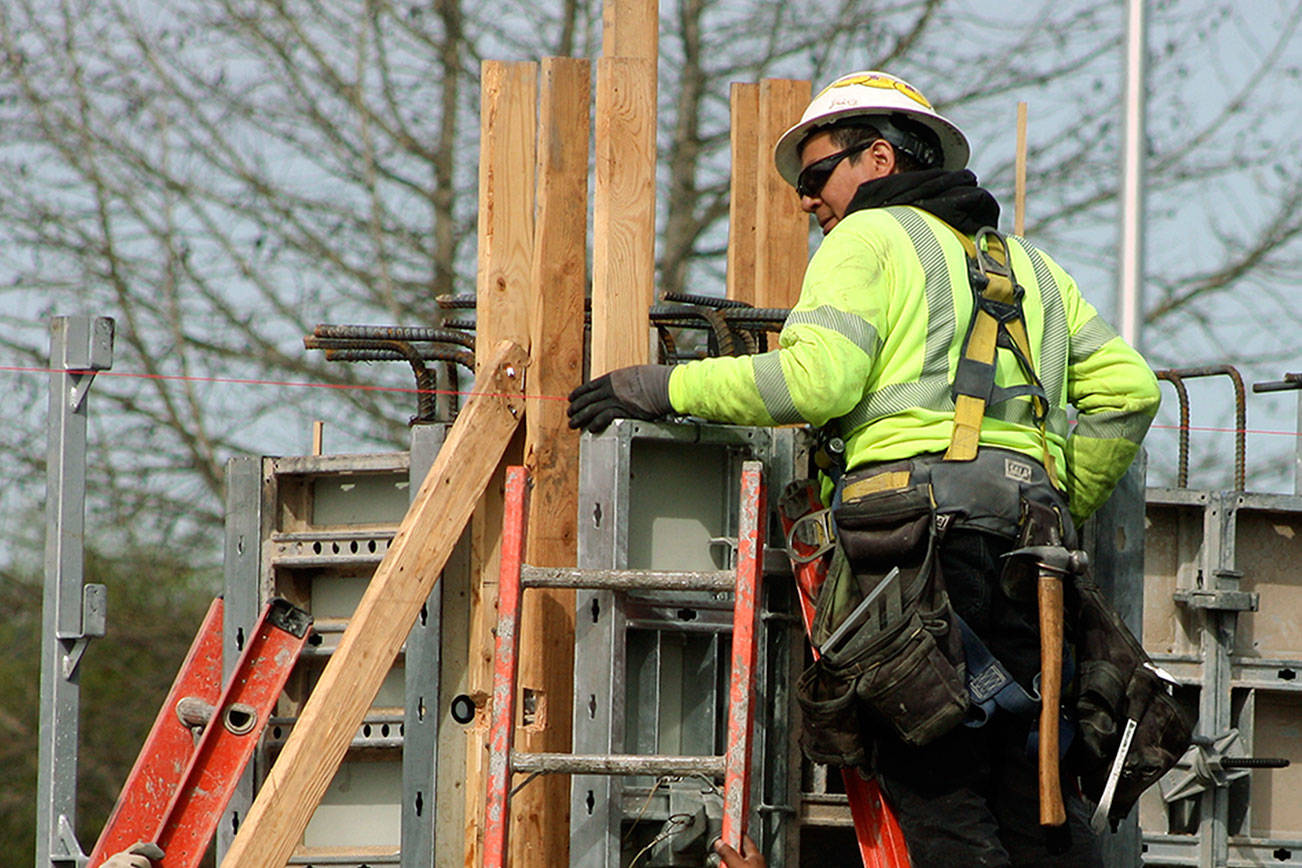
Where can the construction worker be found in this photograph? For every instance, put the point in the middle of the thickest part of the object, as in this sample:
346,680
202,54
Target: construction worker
873,352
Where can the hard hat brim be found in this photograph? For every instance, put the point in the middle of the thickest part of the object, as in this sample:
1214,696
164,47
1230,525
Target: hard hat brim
786,155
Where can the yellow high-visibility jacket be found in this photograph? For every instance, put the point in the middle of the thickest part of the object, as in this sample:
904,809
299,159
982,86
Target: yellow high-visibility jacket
873,342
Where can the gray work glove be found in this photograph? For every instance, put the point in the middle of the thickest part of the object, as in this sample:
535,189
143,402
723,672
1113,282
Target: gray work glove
636,392
138,856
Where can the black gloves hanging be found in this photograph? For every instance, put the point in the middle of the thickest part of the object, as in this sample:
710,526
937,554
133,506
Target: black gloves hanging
636,392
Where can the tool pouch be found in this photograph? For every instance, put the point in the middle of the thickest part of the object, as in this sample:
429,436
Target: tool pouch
1118,682
912,687
899,669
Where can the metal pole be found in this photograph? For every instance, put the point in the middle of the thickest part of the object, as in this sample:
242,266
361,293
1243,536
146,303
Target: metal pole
1130,286
72,613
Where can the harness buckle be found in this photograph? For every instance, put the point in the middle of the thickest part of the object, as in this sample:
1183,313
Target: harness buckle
811,536
987,263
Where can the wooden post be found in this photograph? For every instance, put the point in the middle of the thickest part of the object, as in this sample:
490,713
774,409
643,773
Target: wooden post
506,200
1019,198
782,229
631,28
507,158
540,812
623,231
401,584
742,204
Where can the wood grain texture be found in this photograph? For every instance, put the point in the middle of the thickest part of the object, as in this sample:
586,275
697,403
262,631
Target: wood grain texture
742,200
507,156
507,163
782,229
393,599
630,28
623,232
540,812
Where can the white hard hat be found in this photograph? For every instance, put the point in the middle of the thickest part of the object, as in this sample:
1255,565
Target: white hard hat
867,94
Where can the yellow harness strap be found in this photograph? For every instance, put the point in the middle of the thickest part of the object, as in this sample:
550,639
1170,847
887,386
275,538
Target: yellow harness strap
982,344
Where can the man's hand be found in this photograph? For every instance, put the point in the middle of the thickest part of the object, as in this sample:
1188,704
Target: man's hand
636,392
138,856
749,857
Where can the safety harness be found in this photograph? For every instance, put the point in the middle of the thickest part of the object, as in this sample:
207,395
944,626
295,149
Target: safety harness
874,516
997,321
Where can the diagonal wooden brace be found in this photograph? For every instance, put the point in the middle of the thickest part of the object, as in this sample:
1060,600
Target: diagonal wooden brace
384,617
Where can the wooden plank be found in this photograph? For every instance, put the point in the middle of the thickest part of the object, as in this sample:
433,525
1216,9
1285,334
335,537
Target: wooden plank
630,28
377,629
742,204
506,191
507,159
540,828
782,229
1019,187
623,231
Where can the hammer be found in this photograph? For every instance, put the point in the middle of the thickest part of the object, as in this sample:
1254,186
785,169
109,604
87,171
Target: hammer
1053,562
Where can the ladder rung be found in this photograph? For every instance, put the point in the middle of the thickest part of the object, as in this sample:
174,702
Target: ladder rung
615,764
628,580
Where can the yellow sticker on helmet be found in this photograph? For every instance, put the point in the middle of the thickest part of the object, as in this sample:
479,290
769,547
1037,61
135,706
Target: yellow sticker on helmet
883,81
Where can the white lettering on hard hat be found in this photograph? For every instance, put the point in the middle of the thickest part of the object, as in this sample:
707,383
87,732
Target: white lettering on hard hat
885,82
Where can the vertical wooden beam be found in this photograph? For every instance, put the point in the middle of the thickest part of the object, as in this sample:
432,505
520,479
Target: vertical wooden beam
401,584
630,28
1019,187
782,229
540,812
623,231
507,157
742,204
506,204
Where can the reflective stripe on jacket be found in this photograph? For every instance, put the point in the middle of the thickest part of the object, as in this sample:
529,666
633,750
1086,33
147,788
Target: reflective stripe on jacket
874,338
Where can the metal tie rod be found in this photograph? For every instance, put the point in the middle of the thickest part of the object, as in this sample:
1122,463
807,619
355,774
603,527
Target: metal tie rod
628,580
615,764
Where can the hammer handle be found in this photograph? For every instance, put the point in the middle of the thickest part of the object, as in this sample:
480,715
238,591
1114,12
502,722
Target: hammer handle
1052,812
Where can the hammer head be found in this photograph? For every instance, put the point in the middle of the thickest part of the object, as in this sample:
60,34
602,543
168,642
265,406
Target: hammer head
1059,559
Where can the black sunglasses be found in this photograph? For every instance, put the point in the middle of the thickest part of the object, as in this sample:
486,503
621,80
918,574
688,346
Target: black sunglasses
813,178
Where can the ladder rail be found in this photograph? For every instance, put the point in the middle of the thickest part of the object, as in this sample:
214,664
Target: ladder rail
506,646
204,776
741,689
156,774
878,835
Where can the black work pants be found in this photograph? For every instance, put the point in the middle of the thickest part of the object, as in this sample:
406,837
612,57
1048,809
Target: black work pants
971,797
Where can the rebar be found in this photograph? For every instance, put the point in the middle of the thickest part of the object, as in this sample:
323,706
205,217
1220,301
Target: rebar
394,333
366,343
1176,376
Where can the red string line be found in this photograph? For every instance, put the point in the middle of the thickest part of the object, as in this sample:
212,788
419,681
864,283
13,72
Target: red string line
412,391
286,383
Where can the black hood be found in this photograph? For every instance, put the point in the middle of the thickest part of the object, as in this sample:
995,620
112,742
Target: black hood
954,197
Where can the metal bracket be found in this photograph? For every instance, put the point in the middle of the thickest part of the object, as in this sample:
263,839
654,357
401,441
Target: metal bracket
695,817
65,845
1204,766
1217,600
94,624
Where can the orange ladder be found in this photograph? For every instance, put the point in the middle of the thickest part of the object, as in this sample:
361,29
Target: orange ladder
744,582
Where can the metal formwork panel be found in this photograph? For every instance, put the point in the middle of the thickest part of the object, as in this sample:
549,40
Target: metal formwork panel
650,671
313,529
1222,607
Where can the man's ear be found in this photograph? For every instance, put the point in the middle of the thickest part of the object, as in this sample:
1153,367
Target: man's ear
882,153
